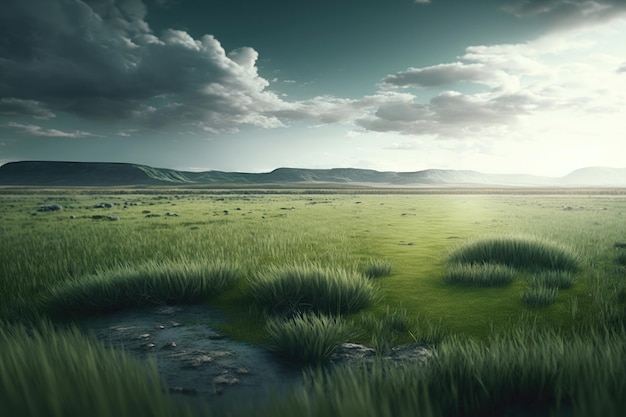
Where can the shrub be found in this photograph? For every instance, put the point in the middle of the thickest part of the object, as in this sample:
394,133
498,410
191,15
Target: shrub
148,284
524,252
378,268
484,274
307,338
297,288
539,296
48,373
620,259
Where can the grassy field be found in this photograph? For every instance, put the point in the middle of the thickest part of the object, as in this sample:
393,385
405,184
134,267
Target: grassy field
401,246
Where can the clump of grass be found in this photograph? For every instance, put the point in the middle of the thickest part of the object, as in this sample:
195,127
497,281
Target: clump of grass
385,330
539,296
48,373
298,288
482,274
521,373
553,279
151,283
378,268
620,259
523,252
308,339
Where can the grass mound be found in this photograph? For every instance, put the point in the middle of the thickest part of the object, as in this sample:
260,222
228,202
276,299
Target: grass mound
523,252
307,338
538,296
299,288
378,268
48,373
562,280
482,274
152,283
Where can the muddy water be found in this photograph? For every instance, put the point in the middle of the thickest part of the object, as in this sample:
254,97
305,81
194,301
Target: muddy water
199,366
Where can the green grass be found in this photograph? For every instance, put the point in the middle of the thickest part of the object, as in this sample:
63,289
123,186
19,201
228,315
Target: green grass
307,339
538,373
482,275
523,252
152,283
378,268
539,296
297,288
56,373
562,280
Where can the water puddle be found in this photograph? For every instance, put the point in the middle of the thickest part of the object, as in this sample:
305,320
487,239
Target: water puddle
199,365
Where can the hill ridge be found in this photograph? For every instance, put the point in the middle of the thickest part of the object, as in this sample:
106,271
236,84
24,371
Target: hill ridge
61,173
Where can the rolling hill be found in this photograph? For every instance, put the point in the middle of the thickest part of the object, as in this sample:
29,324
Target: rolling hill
52,173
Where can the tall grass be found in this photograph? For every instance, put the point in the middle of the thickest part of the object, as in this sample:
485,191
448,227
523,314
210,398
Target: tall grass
48,373
553,279
522,373
538,296
524,252
307,338
151,283
297,288
480,274
378,268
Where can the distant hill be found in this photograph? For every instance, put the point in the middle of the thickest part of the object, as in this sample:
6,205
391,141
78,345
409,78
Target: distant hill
48,173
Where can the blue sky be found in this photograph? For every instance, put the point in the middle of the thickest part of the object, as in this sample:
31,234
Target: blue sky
523,86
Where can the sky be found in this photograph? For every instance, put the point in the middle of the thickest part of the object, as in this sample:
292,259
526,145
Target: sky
497,86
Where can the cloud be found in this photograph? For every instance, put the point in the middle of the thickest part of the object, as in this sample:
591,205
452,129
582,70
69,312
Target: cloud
564,73
16,107
39,131
568,12
99,59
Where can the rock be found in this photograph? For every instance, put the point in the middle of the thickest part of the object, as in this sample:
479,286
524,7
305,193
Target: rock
113,217
352,352
200,360
50,207
242,371
104,205
216,336
169,345
144,336
225,379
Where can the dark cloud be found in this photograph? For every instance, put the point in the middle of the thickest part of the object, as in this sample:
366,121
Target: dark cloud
568,11
11,107
99,59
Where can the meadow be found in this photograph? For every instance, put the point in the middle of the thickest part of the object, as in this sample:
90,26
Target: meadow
521,297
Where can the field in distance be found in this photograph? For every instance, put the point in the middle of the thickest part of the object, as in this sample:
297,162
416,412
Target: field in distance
100,229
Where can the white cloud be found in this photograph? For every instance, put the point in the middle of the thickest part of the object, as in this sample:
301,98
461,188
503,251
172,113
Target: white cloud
39,131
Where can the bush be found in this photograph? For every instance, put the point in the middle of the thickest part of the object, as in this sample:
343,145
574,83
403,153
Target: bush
378,268
152,283
307,338
539,296
299,288
524,252
483,275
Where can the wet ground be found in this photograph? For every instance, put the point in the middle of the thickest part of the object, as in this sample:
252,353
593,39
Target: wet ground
199,365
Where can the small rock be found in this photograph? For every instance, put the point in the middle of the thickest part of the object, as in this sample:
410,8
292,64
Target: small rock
169,345
160,327
200,360
150,346
216,336
144,336
242,371
225,380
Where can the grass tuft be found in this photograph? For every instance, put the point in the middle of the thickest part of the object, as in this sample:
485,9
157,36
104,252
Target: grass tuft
300,288
308,339
152,283
523,252
378,268
49,373
562,280
483,275
538,296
